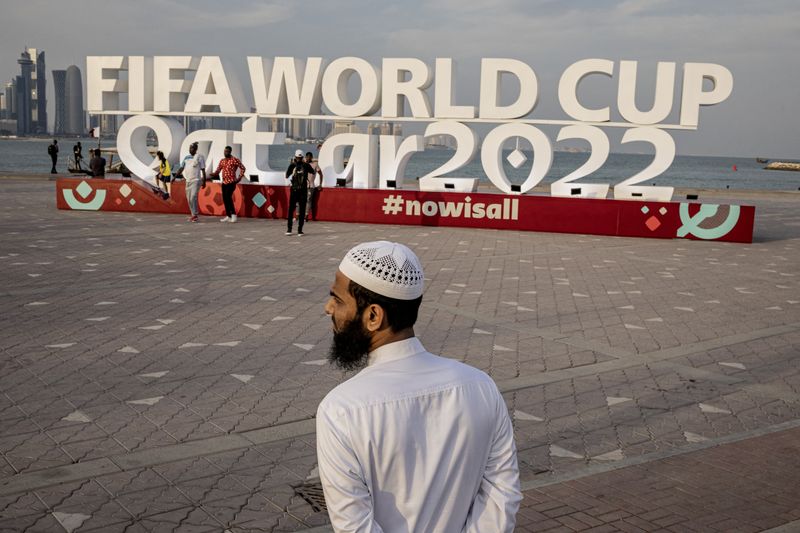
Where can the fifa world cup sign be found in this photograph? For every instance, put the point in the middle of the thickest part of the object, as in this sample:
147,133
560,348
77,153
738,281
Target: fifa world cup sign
154,92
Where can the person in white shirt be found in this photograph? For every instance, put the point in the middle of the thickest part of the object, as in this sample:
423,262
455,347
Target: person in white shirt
414,442
193,169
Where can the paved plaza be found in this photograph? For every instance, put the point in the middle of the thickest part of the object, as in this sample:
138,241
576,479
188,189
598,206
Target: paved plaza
164,376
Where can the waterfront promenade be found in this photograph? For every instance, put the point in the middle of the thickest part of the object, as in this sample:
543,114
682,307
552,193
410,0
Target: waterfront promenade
163,376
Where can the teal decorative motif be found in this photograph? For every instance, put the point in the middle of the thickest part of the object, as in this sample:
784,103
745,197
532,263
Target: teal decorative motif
259,200
691,224
84,190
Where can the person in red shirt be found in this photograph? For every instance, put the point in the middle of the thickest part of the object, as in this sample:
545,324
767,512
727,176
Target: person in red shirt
228,166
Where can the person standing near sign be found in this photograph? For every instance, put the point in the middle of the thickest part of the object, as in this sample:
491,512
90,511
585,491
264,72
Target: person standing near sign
314,186
77,155
297,174
413,441
228,166
193,169
52,151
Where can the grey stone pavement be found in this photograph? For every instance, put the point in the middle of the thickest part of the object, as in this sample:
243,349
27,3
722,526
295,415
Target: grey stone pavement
163,376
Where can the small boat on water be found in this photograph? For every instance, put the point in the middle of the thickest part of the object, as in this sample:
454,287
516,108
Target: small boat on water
112,167
761,160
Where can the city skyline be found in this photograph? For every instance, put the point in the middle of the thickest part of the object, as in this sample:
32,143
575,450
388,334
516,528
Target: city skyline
758,43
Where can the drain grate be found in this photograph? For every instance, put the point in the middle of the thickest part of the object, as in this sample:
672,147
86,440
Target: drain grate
312,493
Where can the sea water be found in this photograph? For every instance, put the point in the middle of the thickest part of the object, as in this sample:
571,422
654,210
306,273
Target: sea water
27,156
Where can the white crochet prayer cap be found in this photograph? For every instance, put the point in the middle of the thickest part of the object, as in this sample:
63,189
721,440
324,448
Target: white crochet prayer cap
388,268
298,153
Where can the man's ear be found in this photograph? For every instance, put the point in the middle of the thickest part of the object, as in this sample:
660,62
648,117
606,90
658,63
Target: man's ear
374,318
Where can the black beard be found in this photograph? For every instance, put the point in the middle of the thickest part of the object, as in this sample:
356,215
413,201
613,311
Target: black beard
350,346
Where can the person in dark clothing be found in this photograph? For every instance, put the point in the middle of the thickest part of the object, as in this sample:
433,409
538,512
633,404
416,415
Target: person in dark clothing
52,151
297,174
77,155
97,164
314,187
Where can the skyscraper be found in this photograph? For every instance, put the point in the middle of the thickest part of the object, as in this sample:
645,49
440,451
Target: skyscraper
39,104
75,116
31,90
68,91
60,94
23,94
11,102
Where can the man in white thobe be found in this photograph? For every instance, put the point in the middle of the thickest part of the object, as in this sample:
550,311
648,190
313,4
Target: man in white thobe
414,442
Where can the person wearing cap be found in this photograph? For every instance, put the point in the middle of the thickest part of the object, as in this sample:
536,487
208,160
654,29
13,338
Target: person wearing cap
193,170
228,166
413,441
297,174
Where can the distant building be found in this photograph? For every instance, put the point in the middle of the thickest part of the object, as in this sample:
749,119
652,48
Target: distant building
397,129
317,129
341,126
226,123
386,128
297,129
22,95
31,93
39,105
60,95
75,123
11,101
196,123
108,124
373,129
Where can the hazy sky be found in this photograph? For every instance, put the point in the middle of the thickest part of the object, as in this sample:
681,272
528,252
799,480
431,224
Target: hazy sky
758,41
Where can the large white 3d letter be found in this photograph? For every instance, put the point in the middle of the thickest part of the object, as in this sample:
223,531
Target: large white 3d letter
598,154
334,87
665,153
466,148
286,92
132,143
211,89
171,93
250,138
662,103
444,92
140,83
395,87
694,96
395,153
492,156
492,70
362,166
102,93
568,89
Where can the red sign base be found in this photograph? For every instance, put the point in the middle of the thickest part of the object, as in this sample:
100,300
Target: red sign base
622,218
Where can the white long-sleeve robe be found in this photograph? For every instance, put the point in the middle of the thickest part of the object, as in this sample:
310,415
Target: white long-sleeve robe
417,443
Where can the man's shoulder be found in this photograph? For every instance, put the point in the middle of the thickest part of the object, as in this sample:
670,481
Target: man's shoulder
427,373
